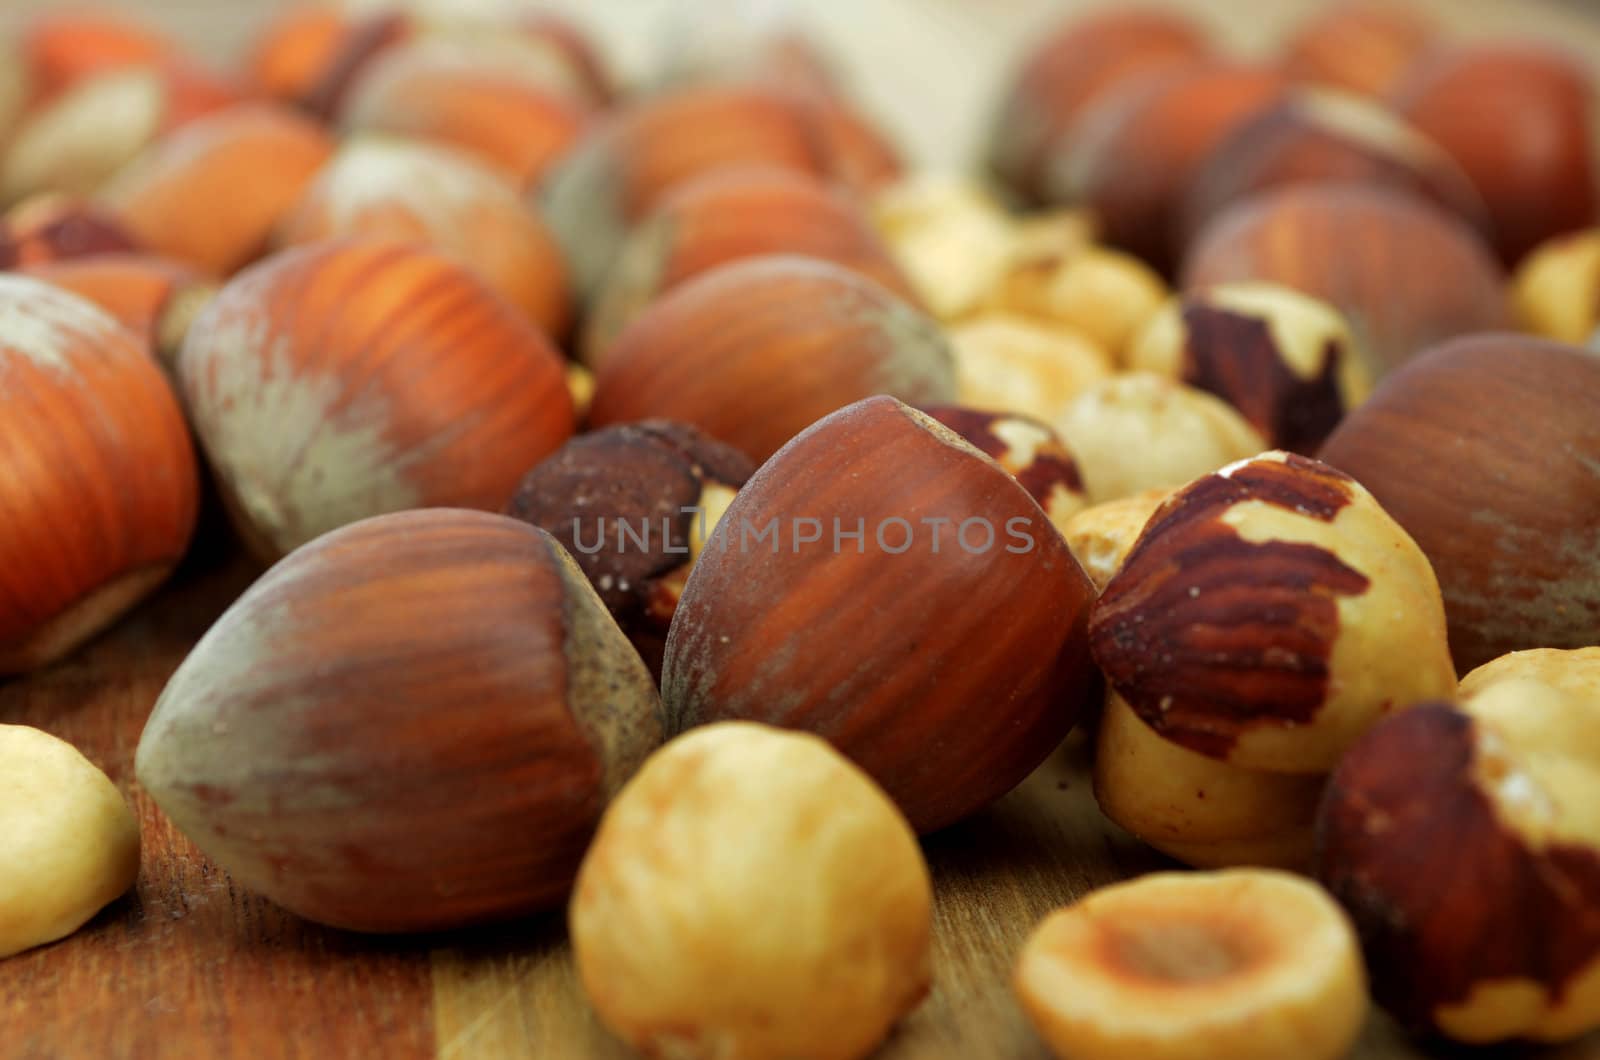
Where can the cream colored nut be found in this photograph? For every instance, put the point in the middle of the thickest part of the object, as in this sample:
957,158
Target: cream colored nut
1556,290
76,141
1052,236
1007,363
1104,294
1246,964
952,238
580,384
1101,536
1575,671
1199,810
752,894
68,843
1139,431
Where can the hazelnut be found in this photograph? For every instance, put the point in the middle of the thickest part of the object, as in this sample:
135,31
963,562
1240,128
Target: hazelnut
755,351
60,49
1270,613
212,193
633,504
1247,964
154,297
380,188
1286,361
859,152
1318,135
1102,535
1556,291
69,845
727,215
752,894
1498,791
1485,450
953,239
1538,183
322,394
1133,155
1073,66
1404,273
1103,294
100,490
897,634
292,50
374,772
1010,363
1139,431
1028,448
1361,47
50,228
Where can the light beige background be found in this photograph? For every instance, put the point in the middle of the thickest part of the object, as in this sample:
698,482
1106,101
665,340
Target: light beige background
930,68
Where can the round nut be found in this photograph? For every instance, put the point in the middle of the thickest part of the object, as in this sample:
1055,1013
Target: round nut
68,843
1136,432
1248,964
1008,363
1028,449
1102,535
1556,290
1361,47
1104,294
1269,614
952,238
751,893
1286,361
49,228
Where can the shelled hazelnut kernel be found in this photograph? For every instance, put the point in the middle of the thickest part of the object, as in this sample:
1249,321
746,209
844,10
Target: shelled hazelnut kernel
1028,448
1102,535
951,236
1010,363
1103,294
50,227
1556,290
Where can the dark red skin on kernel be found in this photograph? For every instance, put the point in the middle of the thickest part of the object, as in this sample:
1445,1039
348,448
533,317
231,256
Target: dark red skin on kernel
1251,647
1487,451
1444,895
947,677
67,233
1051,466
1404,273
1233,355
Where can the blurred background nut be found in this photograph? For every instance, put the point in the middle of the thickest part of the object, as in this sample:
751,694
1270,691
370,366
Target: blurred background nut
1269,614
1103,294
1139,431
1027,448
1404,273
1286,361
1500,789
755,351
952,237
752,894
1102,535
153,297
1005,362
634,504
1247,964
1359,46
1557,288
50,228
1485,449
59,49
382,188
291,50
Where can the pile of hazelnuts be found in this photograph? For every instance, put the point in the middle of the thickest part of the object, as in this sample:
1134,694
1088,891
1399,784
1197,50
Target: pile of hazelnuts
672,507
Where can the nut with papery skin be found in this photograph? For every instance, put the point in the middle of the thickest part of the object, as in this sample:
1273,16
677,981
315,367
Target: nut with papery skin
755,351
1139,431
1009,363
752,894
60,228
101,489
373,771
212,193
1103,294
633,505
1286,361
155,298
728,215
1500,790
1359,47
1102,535
1026,447
952,237
897,634
1404,273
1269,614
378,188
1485,449
322,395
1556,291
1244,964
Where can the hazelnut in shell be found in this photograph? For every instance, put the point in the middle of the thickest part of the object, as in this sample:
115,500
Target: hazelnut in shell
947,668
1556,290
61,48
1026,447
290,52
154,297
751,893
49,228
1359,46
1009,363
373,769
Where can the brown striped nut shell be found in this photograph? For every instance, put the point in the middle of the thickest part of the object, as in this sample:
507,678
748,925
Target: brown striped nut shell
1270,613
156,298
1487,450
292,49
754,352
947,670
100,489
1073,66
211,194
344,380
50,228
371,771
1028,448
380,188
1286,361
731,214
1462,839
1404,273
